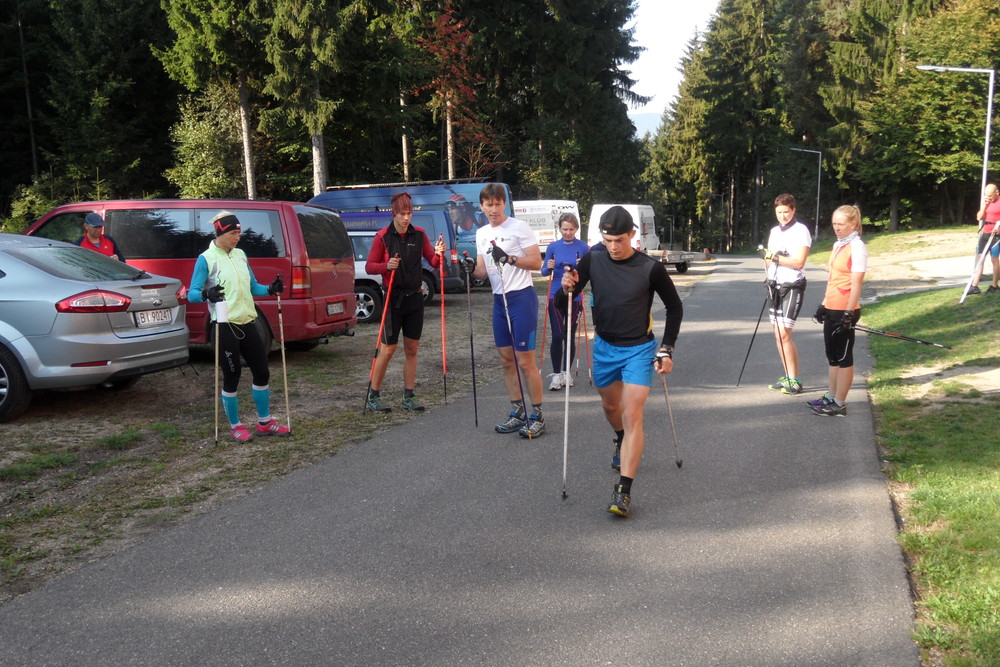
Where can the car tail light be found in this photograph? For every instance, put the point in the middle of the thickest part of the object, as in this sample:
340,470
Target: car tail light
94,301
301,282
182,295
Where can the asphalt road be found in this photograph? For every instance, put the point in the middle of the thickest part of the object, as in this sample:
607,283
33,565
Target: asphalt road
442,544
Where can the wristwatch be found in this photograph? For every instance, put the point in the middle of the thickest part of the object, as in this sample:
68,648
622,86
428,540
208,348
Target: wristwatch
665,351
512,261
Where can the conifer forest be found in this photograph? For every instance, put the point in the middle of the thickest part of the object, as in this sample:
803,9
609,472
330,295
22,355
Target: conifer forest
278,99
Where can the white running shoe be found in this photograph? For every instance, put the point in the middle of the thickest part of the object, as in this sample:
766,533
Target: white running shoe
569,379
557,382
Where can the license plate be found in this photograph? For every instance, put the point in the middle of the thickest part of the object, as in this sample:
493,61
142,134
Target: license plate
336,308
152,318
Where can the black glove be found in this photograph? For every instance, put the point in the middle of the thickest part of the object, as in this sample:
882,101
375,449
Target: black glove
277,287
499,256
467,265
820,315
215,294
847,322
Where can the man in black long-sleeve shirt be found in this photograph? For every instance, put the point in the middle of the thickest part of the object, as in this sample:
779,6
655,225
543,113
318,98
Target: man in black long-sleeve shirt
623,282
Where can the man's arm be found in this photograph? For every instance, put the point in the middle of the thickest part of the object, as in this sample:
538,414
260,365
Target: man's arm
378,257
664,287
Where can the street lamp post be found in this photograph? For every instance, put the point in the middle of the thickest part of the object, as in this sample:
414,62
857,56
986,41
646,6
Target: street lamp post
819,175
989,108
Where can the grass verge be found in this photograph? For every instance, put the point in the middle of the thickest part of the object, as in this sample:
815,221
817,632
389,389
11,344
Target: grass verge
937,431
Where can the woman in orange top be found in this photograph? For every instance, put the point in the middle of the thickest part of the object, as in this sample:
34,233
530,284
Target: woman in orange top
840,309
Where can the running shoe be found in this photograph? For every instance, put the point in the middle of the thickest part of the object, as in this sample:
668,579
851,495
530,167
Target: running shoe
568,379
557,382
619,502
375,404
975,290
787,386
831,409
818,403
533,428
992,289
616,458
411,403
271,428
514,422
240,433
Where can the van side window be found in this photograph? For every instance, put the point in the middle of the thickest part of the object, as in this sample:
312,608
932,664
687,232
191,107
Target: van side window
323,233
66,227
260,234
153,233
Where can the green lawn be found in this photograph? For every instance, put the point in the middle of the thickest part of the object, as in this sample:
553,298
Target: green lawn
936,414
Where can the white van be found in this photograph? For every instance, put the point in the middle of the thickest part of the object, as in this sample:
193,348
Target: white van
542,215
642,217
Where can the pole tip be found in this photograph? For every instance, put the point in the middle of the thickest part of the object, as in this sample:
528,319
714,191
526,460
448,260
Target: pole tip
564,495
679,463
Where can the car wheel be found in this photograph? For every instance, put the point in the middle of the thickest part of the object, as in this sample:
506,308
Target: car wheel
369,303
427,289
681,267
15,395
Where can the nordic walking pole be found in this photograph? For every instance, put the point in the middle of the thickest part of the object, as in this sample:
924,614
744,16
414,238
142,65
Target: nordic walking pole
510,328
378,343
472,345
980,260
444,340
218,398
284,366
759,318
861,327
569,309
670,414
586,343
545,322
221,316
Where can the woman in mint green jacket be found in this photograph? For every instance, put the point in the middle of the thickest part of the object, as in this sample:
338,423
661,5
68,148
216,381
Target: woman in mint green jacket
223,278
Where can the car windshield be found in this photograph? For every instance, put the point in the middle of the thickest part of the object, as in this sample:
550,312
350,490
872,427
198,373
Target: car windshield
75,263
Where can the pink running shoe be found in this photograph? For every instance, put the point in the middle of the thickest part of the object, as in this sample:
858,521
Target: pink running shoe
271,428
240,433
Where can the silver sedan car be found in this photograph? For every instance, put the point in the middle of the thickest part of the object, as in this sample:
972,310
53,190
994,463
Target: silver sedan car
72,317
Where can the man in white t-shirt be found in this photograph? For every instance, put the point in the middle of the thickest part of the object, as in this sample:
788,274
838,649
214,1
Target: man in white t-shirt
785,256
507,253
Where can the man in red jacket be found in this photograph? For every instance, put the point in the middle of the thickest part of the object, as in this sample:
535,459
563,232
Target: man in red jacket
95,239
399,248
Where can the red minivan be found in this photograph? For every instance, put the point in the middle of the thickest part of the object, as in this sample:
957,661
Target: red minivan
306,244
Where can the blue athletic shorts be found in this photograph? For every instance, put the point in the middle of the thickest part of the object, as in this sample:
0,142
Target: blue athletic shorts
994,247
523,306
633,365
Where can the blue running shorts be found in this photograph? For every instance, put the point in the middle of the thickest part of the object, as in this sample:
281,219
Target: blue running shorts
523,306
633,365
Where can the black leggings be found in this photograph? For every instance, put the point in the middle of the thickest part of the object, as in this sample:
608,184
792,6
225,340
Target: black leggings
838,340
242,339
557,316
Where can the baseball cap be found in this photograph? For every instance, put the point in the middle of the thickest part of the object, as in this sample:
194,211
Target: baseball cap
94,219
616,220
